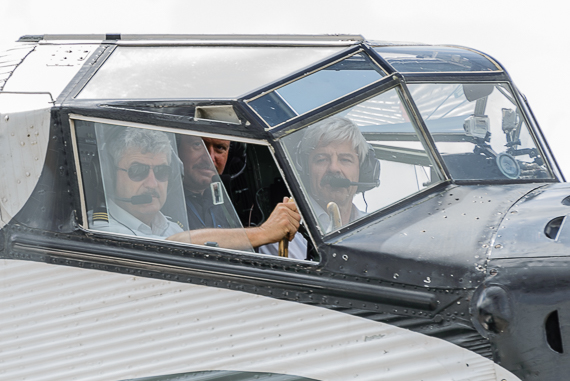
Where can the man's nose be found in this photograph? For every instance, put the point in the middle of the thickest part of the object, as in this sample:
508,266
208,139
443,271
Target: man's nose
204,155
150,181
334,166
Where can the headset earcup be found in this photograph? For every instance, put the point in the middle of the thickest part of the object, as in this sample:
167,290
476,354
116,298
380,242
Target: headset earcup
301,162
369,172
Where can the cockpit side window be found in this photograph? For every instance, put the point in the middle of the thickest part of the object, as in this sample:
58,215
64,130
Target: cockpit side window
184,188
360,160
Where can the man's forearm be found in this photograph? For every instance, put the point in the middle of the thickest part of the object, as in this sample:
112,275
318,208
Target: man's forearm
258,237
239,239
226,238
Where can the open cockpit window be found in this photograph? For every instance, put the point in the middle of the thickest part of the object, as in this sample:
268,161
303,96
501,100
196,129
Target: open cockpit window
480,131
191,189
360,160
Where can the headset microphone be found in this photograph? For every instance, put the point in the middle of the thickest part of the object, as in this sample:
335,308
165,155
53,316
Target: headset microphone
339,182
137,200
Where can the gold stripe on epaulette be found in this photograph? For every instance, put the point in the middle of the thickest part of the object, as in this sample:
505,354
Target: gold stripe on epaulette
180,224
101,217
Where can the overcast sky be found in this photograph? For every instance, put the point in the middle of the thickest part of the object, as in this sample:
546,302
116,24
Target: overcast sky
530,39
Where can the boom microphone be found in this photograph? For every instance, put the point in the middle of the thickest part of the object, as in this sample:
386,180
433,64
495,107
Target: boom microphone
339,182
137,200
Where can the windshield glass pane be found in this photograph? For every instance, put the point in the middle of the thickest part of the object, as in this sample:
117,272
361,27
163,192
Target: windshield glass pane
317,89
359,160
196,72
413,59
136,182
479,131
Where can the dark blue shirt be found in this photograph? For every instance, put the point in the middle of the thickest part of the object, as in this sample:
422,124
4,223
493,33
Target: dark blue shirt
202,213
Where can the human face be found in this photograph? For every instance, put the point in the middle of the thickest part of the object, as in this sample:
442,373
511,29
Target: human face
337,159
218,150
198,167
127,188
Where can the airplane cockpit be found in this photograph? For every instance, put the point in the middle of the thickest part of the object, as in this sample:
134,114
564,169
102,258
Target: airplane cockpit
409,172
414,118
417,130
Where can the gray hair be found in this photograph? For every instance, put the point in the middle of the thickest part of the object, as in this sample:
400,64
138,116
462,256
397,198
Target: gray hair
331,130
147,141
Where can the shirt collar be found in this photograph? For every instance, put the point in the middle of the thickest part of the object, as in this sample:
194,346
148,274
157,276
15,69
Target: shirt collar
158,225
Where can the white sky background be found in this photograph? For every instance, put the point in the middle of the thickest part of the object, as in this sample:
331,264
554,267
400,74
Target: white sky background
530,39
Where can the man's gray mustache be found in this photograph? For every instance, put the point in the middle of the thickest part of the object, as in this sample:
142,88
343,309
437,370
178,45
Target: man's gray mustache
151,192
326,180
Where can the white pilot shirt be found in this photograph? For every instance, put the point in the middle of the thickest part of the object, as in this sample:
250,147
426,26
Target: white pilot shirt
121,221
323,216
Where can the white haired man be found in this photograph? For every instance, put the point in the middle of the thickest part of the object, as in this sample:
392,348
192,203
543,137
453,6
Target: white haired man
335,162
138,173
332,155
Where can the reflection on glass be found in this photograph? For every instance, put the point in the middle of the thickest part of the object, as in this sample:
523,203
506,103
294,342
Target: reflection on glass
316,89
414,59
361,160
196,72
133,185
480,131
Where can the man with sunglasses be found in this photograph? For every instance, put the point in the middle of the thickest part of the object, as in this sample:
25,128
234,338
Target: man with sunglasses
139,170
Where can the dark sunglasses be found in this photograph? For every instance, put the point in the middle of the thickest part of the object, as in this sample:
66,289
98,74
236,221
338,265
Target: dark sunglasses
139,172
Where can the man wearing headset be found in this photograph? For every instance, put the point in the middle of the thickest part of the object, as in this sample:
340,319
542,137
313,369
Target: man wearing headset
137,174
335,162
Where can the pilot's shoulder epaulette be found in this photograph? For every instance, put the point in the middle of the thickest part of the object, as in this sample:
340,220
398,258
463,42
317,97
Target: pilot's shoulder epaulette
170,219
100,214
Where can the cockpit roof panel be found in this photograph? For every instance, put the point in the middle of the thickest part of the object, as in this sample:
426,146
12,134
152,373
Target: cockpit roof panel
417,59
199,72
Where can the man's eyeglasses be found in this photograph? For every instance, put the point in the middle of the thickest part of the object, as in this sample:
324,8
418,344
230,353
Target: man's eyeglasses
139,172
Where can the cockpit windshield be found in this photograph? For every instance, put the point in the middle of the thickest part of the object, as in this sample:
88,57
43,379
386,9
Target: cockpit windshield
373,155
479,131
156,185
360,160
